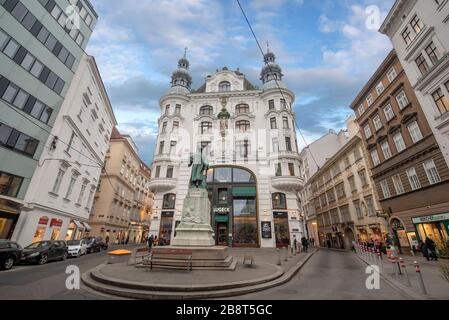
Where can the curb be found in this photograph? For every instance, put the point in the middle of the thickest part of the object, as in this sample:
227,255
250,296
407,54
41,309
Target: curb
185,295
399,287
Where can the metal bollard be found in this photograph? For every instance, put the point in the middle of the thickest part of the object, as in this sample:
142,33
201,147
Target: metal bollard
396,273
289,249
379,257
420,278
279,257
286,254
403,267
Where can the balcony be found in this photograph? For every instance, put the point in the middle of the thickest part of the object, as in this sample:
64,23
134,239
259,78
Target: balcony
162,184
287,183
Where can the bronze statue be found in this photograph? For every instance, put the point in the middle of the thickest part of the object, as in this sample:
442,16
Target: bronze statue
199,165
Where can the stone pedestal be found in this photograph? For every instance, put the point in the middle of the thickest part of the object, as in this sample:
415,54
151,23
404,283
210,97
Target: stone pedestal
195,229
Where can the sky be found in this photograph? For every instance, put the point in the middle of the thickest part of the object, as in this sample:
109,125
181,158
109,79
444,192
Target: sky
328,50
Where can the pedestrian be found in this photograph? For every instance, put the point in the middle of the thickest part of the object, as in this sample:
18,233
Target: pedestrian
150,242
304,244
423,248
313,242
431,249
107,239
295,243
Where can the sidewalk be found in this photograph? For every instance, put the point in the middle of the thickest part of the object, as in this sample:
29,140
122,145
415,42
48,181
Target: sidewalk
437,287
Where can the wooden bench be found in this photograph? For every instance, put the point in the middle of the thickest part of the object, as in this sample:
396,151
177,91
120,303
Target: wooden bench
248,261
169,255
140,253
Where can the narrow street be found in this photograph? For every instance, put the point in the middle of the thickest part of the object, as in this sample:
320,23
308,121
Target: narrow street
328,275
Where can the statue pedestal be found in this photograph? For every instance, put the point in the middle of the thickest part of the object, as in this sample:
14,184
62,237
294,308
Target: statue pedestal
195,229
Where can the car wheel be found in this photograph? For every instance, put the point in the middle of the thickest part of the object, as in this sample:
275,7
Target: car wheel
64,256
43,259
9,262
78,254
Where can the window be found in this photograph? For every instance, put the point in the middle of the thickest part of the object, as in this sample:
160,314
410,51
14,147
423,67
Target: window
402,100
377,122
28,61
223,196
352,185
279,201
243,125
358,209
224,86
386,150
205,127
278,169
273,123
291,169
407,36
178,109
432,172
10,184
71,142
175,125
375,157
331,195
413,179
82,191
285,123
361,109
399,142
391,74
340,189
71,185
170,172
389,113
417,24
57,183
368,133
385,189
11,48
242,148
206,111
169,201
422,64
172,147
161,147
380,88
167,109
10,93
397,182
283,104
415,132
164,127
271,105
242,108
275,145
288,144
363,179
370,100
441,101
157,173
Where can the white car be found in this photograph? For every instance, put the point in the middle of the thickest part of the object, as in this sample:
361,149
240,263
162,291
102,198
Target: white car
77,248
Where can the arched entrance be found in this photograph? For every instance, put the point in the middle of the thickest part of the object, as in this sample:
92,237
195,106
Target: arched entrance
233,197
349,238
400,235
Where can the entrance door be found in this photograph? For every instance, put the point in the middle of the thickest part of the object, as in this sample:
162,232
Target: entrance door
166,228
281,229
222,234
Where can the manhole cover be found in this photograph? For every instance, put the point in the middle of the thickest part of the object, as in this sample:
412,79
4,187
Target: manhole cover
287,291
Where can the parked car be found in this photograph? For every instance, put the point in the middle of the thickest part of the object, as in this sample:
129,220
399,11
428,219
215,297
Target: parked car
43,251
10,254
103,244
93,245
77,248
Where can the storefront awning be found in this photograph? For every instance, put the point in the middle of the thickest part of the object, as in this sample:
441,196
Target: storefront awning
88,227
244,192
221,218
78,224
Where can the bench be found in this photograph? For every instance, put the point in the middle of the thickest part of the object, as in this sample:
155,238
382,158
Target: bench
170,256
248,261
140,253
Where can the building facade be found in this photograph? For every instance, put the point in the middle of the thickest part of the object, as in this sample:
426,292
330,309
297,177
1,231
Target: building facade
116,214
419,31
60,195
248,135
408,166
40,50
344,198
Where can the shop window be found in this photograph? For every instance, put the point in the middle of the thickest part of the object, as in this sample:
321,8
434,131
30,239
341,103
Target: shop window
279,201
243,176
223,196
223,175
245,222
169,201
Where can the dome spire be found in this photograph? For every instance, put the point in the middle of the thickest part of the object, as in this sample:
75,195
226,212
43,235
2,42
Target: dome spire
271,71
181,78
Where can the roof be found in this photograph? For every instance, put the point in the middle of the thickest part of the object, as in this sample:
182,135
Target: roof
247,85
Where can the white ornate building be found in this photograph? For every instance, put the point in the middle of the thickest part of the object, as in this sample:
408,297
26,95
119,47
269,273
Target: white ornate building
249,136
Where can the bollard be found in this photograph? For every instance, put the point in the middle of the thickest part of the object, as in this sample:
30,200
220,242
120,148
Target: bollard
403,267
289,249
379,256
396,273
279,257
420,278
286,254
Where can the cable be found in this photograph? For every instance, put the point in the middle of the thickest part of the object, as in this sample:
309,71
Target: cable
275,79
100,165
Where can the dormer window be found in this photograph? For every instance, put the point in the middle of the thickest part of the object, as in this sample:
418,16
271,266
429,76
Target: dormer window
206,111
224,86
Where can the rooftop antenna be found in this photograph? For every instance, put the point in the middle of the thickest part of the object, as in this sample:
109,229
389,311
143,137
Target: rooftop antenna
185,52
268,46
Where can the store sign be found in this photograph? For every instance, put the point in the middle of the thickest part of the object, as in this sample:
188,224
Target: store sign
43,221
435,218
282,215
221,210
266,230
56,223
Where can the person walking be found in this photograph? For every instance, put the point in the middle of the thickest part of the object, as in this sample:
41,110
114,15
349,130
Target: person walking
431,248
150,242
304,244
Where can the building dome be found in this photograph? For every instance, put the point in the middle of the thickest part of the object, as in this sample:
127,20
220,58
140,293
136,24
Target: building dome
181,79
271,71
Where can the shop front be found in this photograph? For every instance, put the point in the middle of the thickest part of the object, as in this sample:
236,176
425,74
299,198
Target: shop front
401,235
362,234
9,215
75,231
435,227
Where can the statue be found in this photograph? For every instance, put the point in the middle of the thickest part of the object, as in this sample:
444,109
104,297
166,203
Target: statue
199,165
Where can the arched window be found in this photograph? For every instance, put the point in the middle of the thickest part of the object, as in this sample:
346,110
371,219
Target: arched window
169,201
206,110
224,86
242,108
243,125
279,201
205,127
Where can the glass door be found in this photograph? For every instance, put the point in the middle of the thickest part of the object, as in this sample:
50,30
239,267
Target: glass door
222,234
